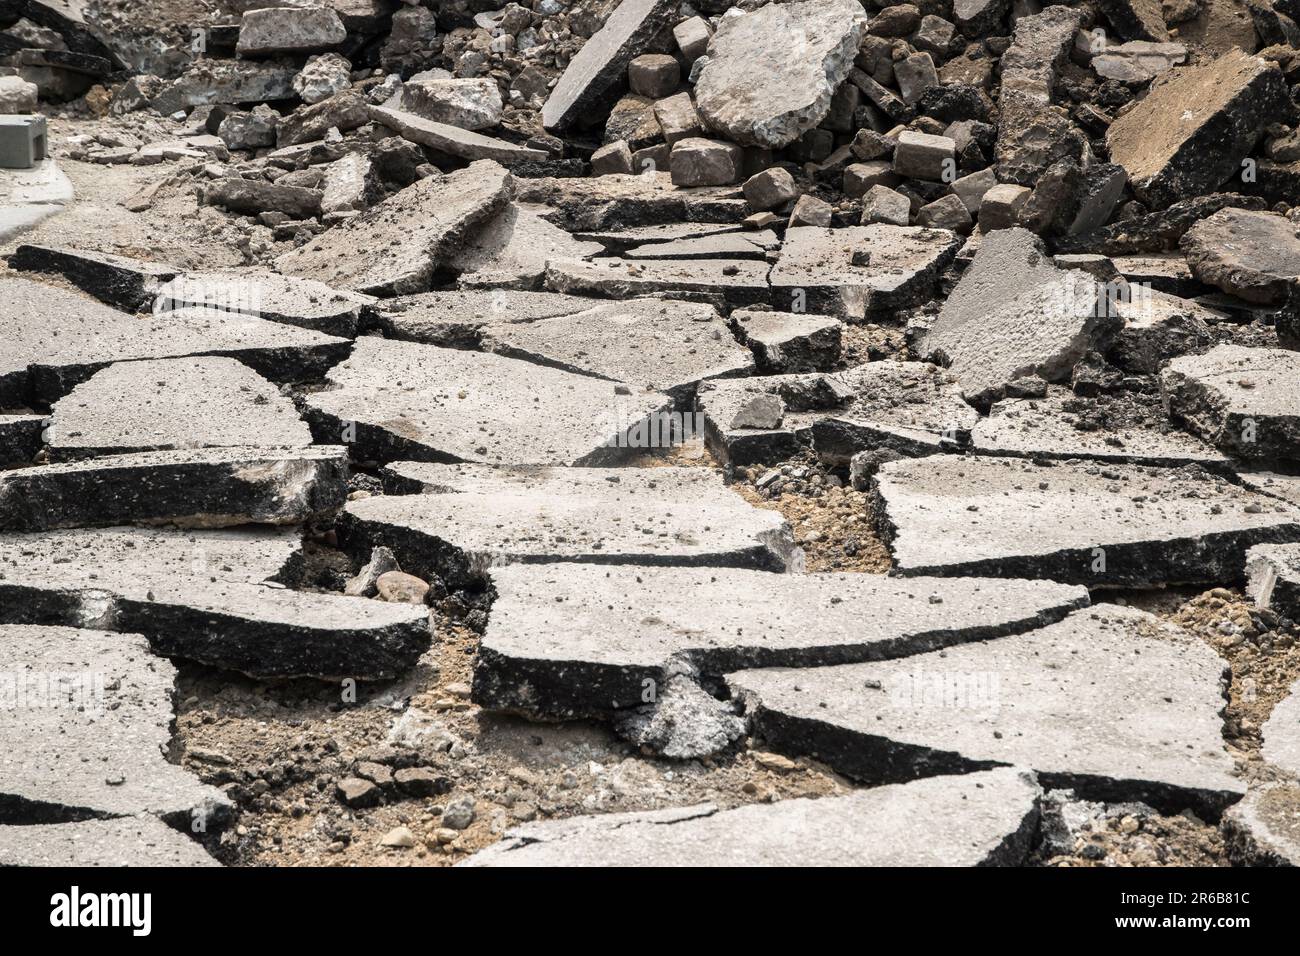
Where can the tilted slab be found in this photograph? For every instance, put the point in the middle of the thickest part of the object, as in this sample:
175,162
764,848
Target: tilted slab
96,717
980,819
121,841
511,251
20,438
205,487
50,340
736,281
302,302
620,202
657,344
201,402
393,248
1111,703
1062,425
584,640
474,518
456,318
405,400
862,270
1100,525
724,245
454,141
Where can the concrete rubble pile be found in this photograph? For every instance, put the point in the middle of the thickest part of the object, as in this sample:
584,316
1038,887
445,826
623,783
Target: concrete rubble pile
539,331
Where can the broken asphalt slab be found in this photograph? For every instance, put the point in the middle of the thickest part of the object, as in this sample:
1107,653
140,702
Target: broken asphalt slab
116,842
205,487
1100,525
1111,702
123,283
454,141
395,400
1261,829
738,282
621,202
1252,255
979,819
456,318
583,640
301,302
20,438
467,520
1273,578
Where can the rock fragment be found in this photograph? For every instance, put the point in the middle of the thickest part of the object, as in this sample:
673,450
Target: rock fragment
119,281
453,140
455,319
512,249
1252,255
289,29
787,343
1273,577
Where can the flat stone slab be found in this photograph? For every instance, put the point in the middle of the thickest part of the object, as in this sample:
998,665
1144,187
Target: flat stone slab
52,340
472,518
1100,525
301,302
122,841
592,78
205,487
456,318
1281,732
1273,577
978,819
1190,132
770,74
619,240
567,641
722,245
1261,830
1111,702
119,281
736,281
453,140
624,201
201,402
1063,426
655,344
1015,314
1243,400
20,438
1252,255
511,251
862,270
393,248
96,720
427,403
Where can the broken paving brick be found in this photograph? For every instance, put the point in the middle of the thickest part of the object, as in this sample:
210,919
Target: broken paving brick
301,302
1243,400
393,248
566,641
116,842
1252,255
204,487
403,400
1101,525
860,272
456,318
52,340
470,519
657,344
739,282
182,403
121,282
512,249
1111,702
977,819
96,724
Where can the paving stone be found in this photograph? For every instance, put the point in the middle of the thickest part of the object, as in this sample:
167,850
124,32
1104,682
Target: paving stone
653,344
692,36
614,157
922,156
1273,578
184,403
770,189
1243,400
1260,830
575,640
980,819
880,204
464,102
1102,525
454,141
591,80
739,282
678,118
655,75
20,438
788,343
696,161
206,487
861,271
771,74
471,519
305,303
289,29
406,400
1014,314
455,319
1064,426
119,842
1194,127
96,720
915,74
51,340
948,212
1112,703
394,248
511,250
1001,205
622,202
1252,255
119,281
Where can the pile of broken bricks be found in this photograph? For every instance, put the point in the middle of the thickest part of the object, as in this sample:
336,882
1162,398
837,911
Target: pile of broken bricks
546,310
